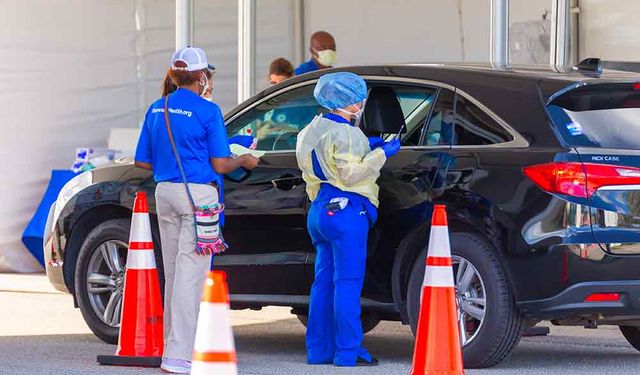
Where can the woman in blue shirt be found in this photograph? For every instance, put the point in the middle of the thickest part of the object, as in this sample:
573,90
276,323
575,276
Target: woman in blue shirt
200,138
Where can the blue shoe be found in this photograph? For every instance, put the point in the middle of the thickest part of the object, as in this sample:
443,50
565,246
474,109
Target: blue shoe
175,366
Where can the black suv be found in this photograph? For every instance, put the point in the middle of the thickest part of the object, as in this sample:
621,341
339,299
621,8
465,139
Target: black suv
539,170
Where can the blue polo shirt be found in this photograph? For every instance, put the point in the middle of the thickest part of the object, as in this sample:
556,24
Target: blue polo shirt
199,133
309,66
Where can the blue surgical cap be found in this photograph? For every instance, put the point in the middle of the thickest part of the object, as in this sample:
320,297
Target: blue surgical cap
340,90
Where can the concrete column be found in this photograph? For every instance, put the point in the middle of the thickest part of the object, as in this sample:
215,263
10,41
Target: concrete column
499,56
184,23
246,48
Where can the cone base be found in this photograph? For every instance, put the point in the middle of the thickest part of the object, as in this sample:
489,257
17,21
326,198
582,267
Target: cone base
437,349
117,360
456,372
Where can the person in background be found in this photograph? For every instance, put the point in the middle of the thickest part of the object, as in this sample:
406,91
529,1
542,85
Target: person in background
200,137
340,170
323,53
279,70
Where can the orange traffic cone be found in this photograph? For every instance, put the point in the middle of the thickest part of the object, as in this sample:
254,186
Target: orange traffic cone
437,348
214,351
141,329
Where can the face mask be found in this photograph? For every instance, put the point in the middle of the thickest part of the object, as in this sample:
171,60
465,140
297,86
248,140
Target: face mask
355,116
326,57
205,86
207,99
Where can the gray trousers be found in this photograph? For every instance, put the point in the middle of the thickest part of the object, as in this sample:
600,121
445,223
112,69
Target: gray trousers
184,270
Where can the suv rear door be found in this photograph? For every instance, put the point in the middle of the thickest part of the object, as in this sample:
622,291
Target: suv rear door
602,122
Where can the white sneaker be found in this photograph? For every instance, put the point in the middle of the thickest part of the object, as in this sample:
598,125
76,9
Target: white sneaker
175,366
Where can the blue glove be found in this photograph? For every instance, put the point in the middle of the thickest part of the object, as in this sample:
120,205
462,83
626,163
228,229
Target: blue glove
375,142
391,148
242,140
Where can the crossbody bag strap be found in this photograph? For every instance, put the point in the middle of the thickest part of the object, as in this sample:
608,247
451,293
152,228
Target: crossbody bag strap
175,152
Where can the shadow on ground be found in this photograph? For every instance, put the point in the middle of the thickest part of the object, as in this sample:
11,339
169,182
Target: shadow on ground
390,341
278,348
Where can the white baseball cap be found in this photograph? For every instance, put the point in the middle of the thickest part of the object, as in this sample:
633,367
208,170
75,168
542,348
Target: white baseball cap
194,59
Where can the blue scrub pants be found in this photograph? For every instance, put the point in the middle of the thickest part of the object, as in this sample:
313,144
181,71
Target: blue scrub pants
334,330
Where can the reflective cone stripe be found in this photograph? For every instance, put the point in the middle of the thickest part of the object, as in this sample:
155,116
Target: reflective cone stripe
141,329
438,272
214,353
140,229
141,255
437,347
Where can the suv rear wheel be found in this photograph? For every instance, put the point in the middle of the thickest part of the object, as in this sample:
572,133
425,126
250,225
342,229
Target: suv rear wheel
99,277
632,334
490,323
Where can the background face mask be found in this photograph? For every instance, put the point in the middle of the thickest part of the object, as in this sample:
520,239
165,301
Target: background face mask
327,57
205,87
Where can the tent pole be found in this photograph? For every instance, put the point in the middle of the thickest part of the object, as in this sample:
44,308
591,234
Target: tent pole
246,48
184,23
499,56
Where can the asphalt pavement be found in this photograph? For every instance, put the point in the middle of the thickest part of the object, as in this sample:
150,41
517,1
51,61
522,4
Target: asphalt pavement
41,333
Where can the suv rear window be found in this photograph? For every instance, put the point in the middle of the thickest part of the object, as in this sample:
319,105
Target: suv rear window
602,115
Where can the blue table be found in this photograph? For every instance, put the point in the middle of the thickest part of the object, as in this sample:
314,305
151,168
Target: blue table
34,232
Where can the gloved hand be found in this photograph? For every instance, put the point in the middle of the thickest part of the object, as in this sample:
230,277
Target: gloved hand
375,142
242,140
391,148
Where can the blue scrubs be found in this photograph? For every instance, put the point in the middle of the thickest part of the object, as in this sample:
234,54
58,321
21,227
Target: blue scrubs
334,331
309,66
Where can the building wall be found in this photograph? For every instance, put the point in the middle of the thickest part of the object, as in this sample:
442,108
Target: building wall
609,29
382,31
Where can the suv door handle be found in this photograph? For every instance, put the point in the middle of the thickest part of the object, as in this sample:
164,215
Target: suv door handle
287,183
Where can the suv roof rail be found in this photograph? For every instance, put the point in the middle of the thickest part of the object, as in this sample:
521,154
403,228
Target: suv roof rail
626,66
590,64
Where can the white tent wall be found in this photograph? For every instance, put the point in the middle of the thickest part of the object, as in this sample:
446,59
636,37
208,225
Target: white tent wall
70,70
67,75
216,31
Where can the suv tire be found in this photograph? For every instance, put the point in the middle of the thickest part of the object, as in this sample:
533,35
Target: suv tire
501,326
108,239
632,334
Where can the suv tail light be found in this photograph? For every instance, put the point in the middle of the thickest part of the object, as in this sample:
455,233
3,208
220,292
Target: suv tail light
580,180
603,297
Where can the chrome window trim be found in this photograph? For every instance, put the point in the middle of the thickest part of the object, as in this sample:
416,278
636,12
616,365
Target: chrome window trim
517,142
620,188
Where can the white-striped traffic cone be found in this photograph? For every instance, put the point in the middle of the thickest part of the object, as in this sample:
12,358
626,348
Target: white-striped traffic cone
214,351
140,342
437,348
